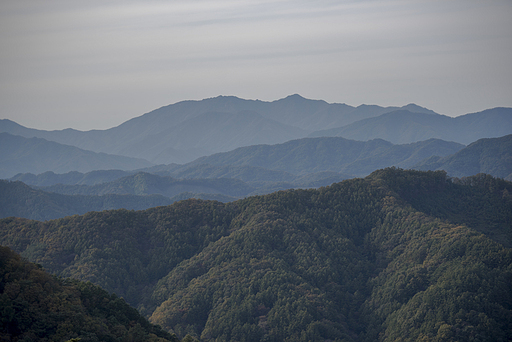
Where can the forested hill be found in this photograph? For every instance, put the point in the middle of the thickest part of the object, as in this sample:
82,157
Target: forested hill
398,255
492,156
337,154
35,306
20,200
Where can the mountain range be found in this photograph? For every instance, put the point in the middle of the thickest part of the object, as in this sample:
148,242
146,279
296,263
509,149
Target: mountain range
215,178
237,220
20,200
37,155
331,154
187,130
408,255
491,156
403,126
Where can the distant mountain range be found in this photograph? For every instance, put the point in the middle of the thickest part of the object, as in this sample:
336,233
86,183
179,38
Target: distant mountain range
143,183
282,166
491,156
20,200
331,154
261,148
364,259
36,155
182,132
403,126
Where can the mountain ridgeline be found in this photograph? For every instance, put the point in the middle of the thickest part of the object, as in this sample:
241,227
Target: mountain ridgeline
247,171
491,156
398,255
19,154
404,126
184,131
36,306
20,200
351,157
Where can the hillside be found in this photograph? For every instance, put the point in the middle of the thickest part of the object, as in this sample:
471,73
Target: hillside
184,131
403,126
36,306
398,254
18,199
255,170
71,178
19,154
143,183
135,191
335,154
209,133
491,156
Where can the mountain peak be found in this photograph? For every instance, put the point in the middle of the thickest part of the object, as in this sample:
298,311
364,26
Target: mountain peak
412,107
295,96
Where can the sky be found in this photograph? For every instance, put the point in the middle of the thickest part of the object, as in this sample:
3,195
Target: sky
95,64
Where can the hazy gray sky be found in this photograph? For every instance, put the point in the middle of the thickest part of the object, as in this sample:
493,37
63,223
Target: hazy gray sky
95,64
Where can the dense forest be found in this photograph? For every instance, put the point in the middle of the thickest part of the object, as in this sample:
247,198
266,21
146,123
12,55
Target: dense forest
36,306
396,256
20,200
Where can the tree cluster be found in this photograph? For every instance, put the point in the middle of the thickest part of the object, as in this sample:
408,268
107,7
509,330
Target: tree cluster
397,256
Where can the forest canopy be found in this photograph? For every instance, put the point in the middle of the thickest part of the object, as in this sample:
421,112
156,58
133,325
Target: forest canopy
396,256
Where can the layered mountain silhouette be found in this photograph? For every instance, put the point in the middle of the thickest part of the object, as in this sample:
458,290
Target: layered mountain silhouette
303,163
143,183
36,155
404,126
19,200
396,254
491,156
71,178
185,131
228,176
331,154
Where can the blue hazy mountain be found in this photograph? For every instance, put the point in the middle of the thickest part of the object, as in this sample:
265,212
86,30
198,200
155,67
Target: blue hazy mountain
71,178
36,155
335,154
186,130
143,183
404,126
20,200
492,156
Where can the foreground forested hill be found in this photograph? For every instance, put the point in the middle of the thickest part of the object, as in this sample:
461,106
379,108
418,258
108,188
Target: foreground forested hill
398,255
35,306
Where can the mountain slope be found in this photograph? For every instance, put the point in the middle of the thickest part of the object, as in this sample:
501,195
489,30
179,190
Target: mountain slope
491,156
148,184
35,155
71,178
398,254
330,154
18,199
403,126
38,306
209,133
208,126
